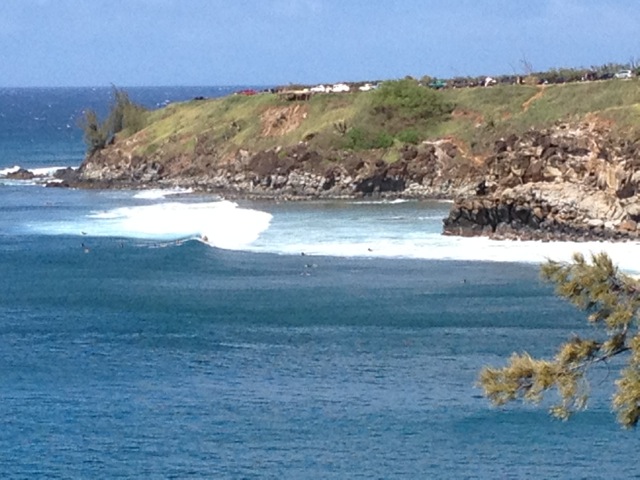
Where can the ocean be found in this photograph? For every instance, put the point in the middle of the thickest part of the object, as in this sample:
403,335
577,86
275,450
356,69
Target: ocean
171,334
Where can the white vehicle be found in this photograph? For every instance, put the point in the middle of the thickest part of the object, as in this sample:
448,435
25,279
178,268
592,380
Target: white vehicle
624,74
340,88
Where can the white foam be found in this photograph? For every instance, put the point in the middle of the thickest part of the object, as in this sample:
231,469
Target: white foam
220,224
6,171
158,194
626,254
38,172
433,246
395,201
18,183
47,171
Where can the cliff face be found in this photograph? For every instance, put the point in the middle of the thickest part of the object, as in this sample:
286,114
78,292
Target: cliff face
567,183
434,169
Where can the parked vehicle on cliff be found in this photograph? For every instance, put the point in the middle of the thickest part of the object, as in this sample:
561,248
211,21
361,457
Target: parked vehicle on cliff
624,74
437,84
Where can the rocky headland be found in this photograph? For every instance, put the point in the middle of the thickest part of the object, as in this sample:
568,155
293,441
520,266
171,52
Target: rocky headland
563,183
573,180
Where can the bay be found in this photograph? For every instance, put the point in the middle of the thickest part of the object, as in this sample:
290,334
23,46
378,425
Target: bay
304,340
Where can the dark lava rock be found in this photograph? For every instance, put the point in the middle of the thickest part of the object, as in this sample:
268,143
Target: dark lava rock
21,174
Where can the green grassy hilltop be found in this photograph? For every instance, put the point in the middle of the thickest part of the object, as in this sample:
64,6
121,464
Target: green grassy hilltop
474,117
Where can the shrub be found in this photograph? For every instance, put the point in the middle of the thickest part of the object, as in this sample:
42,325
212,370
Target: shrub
406,101
95,133
357,139
382,140
362,139
409,136
124,116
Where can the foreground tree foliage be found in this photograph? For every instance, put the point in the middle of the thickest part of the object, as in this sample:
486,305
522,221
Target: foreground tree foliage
124,115
612,301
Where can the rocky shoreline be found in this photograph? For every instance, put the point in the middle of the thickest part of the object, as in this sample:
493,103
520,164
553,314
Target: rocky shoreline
429,170
569,182
544,212
566,183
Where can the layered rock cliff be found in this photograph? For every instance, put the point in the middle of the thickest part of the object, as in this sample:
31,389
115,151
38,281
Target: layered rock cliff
432,169
567,183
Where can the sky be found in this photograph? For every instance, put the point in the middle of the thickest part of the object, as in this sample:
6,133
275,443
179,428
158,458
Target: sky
277,42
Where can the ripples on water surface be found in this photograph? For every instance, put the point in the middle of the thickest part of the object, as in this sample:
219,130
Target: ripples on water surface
138,361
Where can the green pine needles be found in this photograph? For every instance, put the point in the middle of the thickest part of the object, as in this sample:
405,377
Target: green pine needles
612,301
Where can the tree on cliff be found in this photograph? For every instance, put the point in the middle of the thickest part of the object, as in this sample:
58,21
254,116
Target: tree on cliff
406,102
612,301
398,110
123,115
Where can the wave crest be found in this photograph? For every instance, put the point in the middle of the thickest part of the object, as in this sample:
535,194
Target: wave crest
220,224
158,194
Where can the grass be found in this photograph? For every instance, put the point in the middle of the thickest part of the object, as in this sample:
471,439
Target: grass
498,111
480,116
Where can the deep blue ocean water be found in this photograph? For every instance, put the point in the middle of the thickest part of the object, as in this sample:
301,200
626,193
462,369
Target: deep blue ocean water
130,348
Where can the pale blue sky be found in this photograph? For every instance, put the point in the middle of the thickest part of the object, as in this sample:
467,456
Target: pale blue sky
232,42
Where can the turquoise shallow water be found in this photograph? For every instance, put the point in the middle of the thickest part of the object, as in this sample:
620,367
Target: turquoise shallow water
136,356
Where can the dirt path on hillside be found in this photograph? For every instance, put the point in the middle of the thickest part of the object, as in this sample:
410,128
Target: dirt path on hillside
537,96
278,121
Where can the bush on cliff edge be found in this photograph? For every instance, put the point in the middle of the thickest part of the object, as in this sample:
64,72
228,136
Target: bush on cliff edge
399,110
124,116
402,103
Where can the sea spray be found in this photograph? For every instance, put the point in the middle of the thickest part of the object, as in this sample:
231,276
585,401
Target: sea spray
158,194
220,224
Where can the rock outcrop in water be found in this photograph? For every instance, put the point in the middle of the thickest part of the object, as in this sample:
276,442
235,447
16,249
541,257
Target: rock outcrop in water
563,183
21,174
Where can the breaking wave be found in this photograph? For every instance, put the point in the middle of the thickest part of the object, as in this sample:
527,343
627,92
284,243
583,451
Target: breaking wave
41,175
220,224
6,171
38,172
403,230
159,194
